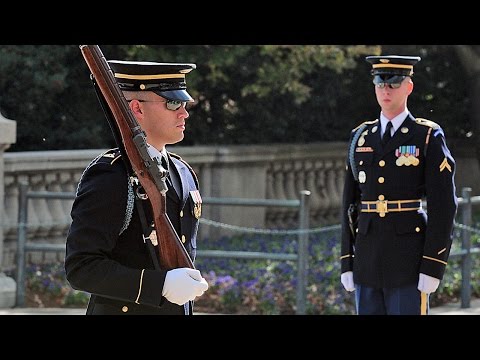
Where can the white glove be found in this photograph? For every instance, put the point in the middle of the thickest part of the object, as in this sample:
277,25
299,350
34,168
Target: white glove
183,284
427,284
347,281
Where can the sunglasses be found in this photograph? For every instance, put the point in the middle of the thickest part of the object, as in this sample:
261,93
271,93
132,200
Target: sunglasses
391,86
173,105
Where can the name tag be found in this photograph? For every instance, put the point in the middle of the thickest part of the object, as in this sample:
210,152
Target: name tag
364,149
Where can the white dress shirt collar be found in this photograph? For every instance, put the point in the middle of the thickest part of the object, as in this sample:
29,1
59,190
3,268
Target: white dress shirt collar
396,121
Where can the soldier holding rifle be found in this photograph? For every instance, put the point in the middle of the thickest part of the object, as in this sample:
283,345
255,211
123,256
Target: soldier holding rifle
112,248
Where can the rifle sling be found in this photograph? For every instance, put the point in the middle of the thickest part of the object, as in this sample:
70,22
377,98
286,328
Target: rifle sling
111,122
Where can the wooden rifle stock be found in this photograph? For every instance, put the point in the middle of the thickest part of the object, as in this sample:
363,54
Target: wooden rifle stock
171,250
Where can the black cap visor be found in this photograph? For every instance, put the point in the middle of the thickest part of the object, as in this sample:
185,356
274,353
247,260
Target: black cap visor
178,95
388,79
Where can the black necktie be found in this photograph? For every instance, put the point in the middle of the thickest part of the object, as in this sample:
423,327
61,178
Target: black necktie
387,135
172,176
164,162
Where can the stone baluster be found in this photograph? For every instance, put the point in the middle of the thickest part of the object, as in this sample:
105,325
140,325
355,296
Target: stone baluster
334,195
322,191
310,183
11,207
291,192
55,206
278,175
270,194
37,183
279,193
68,183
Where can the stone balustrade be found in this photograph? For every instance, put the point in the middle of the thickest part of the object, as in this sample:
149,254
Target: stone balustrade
244,171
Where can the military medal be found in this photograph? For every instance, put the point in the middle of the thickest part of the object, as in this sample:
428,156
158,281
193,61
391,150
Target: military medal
374,129
407,155
197,203
404,130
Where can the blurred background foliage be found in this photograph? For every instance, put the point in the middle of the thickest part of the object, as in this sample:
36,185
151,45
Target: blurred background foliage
244,93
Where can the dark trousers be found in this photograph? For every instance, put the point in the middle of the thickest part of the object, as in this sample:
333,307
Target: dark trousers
406,300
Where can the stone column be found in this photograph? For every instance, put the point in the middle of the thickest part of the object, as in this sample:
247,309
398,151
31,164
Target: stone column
8,137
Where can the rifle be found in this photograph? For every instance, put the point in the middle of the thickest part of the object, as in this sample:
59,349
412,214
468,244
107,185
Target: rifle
133,140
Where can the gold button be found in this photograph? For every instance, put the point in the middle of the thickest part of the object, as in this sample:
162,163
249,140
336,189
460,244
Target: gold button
142,86
381,180
361,162
381,197
183,238
381,163
125,308
181,213
417,229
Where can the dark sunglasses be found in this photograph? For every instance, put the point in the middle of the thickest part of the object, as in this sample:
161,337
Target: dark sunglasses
173,105
391,86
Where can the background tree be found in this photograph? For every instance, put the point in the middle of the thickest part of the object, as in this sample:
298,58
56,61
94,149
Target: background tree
469,56
244,93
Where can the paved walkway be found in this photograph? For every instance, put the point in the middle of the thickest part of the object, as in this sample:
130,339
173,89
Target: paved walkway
455,309
449,309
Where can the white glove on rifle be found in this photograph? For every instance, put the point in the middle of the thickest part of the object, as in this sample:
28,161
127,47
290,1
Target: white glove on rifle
427,284
183,284
347,281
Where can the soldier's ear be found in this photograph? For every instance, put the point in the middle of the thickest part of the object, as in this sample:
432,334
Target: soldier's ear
135,106
410,86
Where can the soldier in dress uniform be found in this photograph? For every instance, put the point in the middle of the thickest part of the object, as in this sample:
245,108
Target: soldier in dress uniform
393,253
110,249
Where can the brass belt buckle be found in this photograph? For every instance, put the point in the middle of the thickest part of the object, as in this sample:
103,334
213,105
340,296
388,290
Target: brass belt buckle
382,207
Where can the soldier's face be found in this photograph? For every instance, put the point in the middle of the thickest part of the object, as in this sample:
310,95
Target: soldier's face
393,99
162,125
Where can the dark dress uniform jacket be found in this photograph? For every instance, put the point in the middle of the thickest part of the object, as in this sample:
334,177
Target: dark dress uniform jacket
118,270
392,250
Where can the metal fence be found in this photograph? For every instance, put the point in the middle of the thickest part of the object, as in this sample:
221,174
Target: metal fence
301,257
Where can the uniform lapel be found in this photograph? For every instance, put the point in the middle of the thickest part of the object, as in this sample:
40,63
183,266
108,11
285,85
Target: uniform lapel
173,181
183,177
180,185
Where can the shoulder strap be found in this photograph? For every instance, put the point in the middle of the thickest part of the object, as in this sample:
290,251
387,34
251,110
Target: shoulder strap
431,126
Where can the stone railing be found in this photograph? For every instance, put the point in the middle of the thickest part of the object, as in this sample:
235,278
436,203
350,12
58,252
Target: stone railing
256,172
244,171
